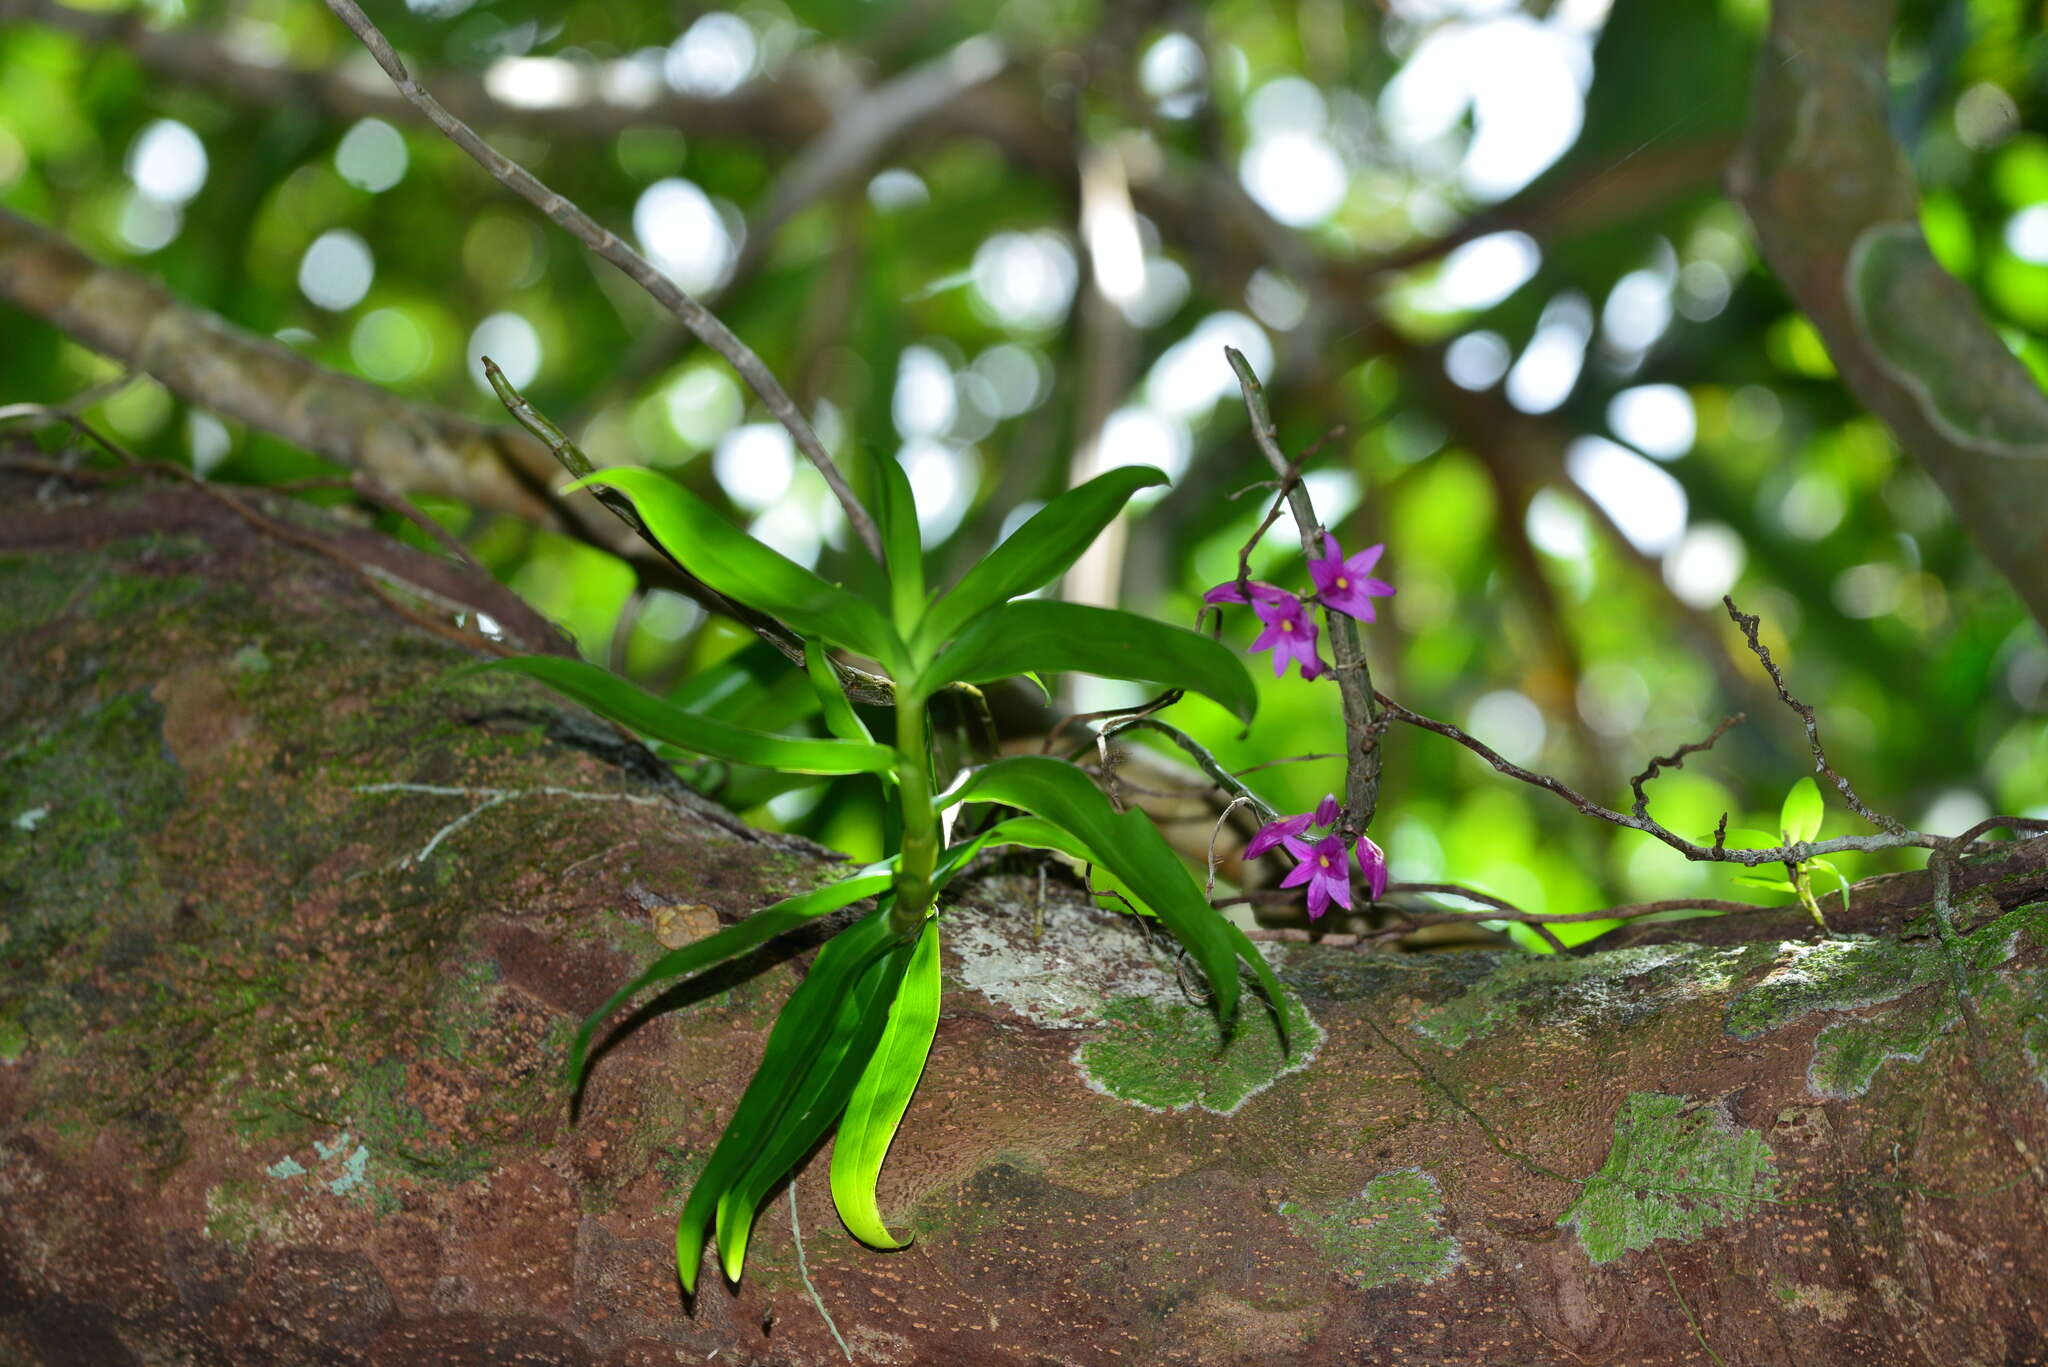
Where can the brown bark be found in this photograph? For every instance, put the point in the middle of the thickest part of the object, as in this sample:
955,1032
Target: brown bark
1836,212
280,1063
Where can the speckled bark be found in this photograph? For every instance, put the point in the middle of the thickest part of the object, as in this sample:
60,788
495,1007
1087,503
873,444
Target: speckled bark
275,1089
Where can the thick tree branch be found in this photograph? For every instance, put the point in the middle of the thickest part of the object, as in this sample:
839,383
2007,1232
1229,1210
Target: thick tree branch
607,244
1836,211
407,448
208,361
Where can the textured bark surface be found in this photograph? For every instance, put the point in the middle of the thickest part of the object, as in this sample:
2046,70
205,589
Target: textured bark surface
280,1064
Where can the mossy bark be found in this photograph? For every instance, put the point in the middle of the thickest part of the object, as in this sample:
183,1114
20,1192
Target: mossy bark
281,1056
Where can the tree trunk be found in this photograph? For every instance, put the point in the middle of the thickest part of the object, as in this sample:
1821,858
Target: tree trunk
281,1055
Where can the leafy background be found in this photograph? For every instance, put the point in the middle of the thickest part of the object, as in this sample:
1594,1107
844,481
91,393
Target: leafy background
1574,432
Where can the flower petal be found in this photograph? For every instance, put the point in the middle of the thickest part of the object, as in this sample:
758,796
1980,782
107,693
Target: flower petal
1361,564
1326,812
1372,862
1318,898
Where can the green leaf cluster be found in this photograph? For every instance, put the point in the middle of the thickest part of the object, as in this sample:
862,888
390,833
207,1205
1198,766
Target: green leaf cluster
849,1046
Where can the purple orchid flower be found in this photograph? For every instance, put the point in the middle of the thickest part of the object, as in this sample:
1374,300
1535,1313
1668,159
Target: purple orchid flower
1346,586
1372,862
1287,831
1327,872
1290,634
1246,591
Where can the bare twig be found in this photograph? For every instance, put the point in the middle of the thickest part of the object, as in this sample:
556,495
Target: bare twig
1776,854
1196,751
803,1268
636,267
1676,760
1209,888
1748,625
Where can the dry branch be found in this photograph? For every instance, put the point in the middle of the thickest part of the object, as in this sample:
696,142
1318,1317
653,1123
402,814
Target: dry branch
209,361
607,244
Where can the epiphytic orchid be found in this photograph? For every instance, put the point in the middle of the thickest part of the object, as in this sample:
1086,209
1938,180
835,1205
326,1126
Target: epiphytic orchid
1290,634
1347,586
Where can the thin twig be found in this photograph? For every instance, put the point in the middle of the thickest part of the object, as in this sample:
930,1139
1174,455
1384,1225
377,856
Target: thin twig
1776,854
1196,751
1209,888
1676,760
636,267
803,1270
1690,1319
1748,625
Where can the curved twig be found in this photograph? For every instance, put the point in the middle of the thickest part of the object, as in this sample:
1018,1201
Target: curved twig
607,244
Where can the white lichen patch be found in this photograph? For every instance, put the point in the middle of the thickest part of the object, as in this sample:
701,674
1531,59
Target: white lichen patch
1062,976
1560,991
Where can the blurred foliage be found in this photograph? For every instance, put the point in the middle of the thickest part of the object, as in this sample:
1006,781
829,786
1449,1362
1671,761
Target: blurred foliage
934,308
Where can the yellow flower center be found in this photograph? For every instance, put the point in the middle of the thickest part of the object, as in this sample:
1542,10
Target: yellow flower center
1342,582
1324,860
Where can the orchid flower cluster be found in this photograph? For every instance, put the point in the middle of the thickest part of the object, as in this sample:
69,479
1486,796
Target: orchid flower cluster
1323,861
1343,585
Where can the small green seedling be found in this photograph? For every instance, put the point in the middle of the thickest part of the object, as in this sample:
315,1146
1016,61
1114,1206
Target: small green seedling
850,1043
1798,822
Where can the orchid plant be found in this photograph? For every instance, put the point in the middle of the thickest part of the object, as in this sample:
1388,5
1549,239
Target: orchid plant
1343,584
851,1042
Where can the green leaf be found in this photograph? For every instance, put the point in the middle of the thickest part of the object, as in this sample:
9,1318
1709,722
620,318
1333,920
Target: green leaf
1749,839
1801,815
1029,831
1823,866
878,1103
743,569
1038,635
803,1028
829,1078
634,707
1130,847
1038,552
840,718
1751,880
764,925
902,541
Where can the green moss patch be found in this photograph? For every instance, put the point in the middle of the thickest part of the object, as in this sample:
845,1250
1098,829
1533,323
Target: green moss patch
1856,974
1390,1232
1168,1056
1675,1171
1560,990
81,792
